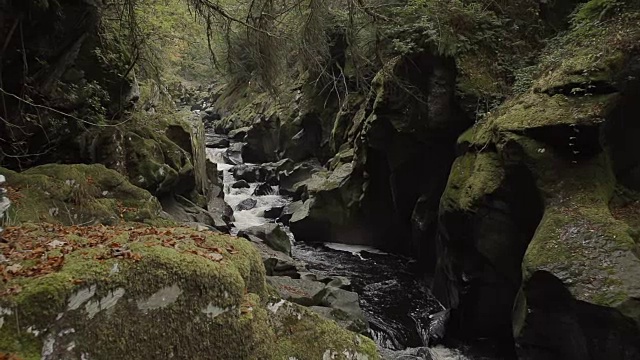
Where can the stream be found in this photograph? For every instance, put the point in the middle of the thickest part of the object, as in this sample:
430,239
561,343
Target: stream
402,313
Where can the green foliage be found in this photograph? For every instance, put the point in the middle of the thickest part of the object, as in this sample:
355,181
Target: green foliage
595,10
451,27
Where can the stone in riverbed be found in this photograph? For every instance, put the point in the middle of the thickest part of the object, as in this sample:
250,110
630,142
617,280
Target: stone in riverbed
263,189
247,204
288,211
300,291
238,134
345,301
275,262
342,318
217,141
274,212
240,184
272,235
233,155
255,173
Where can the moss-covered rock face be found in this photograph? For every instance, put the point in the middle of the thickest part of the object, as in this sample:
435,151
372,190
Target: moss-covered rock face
295,325
154,153
577,281
76,194
99,292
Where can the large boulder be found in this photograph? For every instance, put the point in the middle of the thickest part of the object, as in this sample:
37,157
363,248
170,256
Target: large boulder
330,302
303,334
239,134
276,263
77,194
129,290
329,213
183,210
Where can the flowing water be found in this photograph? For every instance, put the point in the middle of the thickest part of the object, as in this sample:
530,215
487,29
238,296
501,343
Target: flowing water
402,313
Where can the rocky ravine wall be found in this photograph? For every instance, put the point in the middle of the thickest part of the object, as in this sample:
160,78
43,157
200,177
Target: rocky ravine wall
538,230
531,233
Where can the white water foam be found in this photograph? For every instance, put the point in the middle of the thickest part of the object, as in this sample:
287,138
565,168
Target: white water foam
354,249
244,218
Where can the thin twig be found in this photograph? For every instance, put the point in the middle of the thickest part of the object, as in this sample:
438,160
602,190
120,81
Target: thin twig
59,112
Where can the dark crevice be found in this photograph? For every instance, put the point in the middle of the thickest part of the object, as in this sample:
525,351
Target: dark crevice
479,269
621,134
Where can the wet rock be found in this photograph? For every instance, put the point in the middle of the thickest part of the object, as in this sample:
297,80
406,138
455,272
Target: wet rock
254,173
280,166
275,262
238,134
412,354
183,210
217,141
263,189
240,184
217,206
272,235
247,204
292,182
329,215
345,301
339,282
274,212
233,155
288,211
299,291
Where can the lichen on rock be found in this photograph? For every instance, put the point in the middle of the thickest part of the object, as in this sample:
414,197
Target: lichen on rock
149,292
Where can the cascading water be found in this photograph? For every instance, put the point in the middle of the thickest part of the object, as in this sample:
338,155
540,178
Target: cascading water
399,307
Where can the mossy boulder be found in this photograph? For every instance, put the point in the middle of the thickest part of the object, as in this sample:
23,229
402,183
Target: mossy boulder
76,194
304,334
150,293
156,154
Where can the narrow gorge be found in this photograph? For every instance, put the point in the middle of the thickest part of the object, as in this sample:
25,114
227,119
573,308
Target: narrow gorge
319,179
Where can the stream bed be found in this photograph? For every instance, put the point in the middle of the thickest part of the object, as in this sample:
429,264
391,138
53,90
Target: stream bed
402,313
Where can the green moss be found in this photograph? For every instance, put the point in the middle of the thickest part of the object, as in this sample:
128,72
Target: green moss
592,51
472,177
533,110
295,326
167,294
77,194
578,236
234,283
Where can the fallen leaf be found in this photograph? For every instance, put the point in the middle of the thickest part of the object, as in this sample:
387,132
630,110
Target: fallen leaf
14,269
